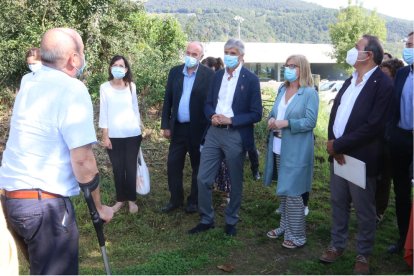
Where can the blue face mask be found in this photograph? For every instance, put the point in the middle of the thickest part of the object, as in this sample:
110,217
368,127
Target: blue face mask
80,70
231,61
190,62
290,74
118,72
408,55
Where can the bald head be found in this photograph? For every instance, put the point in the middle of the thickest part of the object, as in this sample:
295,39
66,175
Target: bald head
58,45
196,50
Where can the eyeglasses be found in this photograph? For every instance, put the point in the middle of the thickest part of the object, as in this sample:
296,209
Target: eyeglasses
290,66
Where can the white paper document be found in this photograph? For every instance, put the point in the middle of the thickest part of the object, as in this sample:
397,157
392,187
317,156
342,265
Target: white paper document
353,170
277,144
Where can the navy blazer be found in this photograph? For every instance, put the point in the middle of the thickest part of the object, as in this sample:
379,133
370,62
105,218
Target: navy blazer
247,104
172,97
363,134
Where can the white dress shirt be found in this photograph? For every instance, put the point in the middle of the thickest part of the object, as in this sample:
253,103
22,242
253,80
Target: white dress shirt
347,102
226,93
52,114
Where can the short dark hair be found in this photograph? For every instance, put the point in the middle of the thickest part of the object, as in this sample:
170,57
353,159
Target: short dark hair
33,52
213,63
374,45
388,54
128,75
393,65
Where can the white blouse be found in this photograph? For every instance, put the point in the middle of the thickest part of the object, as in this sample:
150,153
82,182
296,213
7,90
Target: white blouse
281,111
119,111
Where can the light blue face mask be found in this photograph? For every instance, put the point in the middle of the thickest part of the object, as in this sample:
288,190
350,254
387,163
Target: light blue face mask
118,72
290,74
190,62
408,55
231,61
79,71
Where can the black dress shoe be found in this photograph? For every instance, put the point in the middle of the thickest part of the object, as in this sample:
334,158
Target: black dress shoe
230,230
169,207
191,208
395,248
201,227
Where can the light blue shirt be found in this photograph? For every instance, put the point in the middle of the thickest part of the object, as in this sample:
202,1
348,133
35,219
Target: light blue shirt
184,107
406,104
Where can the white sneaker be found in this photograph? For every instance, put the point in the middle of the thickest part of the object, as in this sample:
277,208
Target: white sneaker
277,211
306,211
118,205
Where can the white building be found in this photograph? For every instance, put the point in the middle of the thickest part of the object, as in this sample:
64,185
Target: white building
266,59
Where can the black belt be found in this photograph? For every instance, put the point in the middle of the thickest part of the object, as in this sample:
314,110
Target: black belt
223,126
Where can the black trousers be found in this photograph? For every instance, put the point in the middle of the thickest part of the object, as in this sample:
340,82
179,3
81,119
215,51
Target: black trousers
181,145
254,159
401,146
123,156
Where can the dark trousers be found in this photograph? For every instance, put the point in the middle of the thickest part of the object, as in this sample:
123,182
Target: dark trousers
401,147
48,228
382,193
254,159
180,145
124,157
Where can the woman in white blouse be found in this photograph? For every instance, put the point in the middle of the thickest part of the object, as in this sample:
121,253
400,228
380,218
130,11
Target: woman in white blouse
119,120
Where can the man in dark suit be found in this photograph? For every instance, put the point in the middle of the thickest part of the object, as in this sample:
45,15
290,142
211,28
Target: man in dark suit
401,143
356,127
183,122
233,106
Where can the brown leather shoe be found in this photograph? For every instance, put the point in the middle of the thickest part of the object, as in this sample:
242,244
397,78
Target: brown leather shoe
330,255
361,265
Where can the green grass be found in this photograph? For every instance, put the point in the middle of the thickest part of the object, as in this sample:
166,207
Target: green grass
154,243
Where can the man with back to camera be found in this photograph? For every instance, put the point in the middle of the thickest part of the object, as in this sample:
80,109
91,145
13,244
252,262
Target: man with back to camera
183,122
49,156
356,127
233,105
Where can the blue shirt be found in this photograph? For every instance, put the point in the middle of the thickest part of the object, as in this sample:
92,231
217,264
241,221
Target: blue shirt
406,104
184,106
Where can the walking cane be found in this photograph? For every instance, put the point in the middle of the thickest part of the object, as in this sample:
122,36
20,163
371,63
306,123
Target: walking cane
98,224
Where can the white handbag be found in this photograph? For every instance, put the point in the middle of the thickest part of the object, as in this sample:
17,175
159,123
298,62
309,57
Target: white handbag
143,177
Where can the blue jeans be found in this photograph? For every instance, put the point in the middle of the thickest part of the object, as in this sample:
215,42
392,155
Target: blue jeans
48,228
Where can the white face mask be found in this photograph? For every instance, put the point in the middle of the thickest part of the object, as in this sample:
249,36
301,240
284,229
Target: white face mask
34,67
352,56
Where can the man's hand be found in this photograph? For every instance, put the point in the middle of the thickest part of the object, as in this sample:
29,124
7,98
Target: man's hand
339,158
105,213
329,147
166,133
220,119
106,143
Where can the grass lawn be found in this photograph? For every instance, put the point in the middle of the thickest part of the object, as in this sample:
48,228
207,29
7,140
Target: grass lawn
151,242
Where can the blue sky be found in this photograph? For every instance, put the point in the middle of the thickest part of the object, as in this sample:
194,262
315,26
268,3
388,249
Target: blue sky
403,9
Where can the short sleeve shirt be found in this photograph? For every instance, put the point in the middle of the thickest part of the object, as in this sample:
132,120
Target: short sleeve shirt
52,114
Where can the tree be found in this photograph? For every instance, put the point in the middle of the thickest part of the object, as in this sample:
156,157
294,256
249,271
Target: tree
353,22
107,27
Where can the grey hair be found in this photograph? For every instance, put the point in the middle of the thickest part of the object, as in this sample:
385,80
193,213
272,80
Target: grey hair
52,56
201,46
235,43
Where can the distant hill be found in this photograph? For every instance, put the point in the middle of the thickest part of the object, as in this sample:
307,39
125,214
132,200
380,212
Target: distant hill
264,20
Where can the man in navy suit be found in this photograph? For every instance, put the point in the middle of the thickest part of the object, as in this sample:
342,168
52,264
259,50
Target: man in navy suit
183,122
233,105
401,143
356,127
